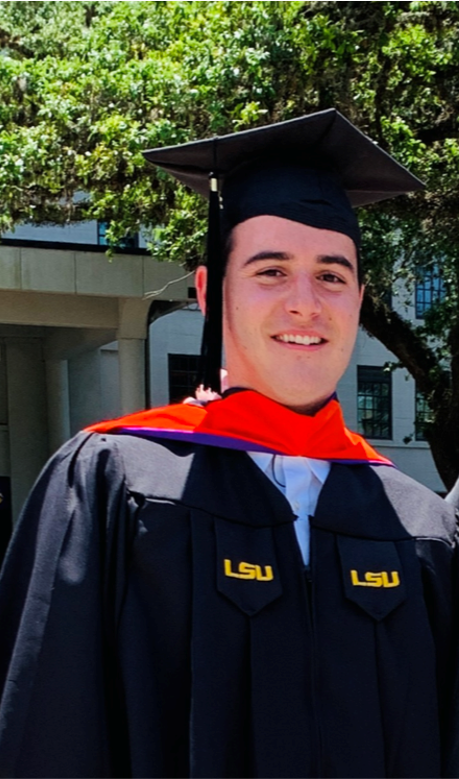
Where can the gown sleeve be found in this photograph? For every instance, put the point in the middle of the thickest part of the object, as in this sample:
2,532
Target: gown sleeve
451,742
60,711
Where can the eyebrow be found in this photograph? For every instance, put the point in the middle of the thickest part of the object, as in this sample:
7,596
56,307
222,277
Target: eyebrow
323,259
337,259
267,255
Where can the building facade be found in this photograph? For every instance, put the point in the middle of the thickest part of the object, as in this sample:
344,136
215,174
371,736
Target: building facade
73,334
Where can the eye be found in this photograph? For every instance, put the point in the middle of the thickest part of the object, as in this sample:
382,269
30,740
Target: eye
270,272
331,278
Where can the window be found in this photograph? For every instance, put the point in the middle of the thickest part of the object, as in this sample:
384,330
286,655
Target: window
374,402
430,289
183,376
423,416
129,242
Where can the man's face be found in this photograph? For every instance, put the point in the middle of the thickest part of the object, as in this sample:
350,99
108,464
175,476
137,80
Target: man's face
291,310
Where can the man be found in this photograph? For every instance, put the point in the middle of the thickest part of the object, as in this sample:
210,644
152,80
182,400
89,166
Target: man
243,588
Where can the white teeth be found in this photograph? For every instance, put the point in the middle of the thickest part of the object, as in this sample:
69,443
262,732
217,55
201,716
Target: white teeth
304,340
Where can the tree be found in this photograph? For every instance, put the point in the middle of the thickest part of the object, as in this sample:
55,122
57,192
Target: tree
85,86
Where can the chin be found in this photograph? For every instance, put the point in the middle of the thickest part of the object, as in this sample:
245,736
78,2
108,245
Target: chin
300,403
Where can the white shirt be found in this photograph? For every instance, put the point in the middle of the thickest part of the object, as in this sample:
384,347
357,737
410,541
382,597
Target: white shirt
300,479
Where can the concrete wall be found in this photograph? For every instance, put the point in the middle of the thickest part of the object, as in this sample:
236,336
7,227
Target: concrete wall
94,387
73,326
176,333
87,273
27,414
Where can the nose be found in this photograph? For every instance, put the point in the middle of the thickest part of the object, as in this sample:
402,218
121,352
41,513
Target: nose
302,297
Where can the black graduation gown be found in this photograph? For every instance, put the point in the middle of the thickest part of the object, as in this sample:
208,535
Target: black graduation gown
135,642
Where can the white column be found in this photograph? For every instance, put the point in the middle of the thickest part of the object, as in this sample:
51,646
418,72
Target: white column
132,374
27,415
57,385
131,335
84,390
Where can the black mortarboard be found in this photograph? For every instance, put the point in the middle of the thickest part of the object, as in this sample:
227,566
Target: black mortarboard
313,170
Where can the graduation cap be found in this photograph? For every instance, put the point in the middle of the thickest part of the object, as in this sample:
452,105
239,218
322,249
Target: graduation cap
312,170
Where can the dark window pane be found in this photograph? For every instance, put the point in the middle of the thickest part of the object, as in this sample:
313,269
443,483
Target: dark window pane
129,242
430,289
183,376
101,231
374,402
423,415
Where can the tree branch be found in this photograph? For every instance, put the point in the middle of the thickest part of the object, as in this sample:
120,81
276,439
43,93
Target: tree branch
13,43
438,131
400,338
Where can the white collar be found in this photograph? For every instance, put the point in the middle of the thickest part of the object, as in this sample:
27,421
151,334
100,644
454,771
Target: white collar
320,468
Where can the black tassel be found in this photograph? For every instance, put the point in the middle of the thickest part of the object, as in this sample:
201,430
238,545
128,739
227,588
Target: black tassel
211,348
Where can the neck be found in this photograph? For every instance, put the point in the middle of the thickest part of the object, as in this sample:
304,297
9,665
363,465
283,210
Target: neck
307,408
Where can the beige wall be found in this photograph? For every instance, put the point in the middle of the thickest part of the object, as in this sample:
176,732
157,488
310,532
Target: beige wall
73,326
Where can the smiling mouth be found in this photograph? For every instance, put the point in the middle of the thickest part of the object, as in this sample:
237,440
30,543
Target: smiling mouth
303,340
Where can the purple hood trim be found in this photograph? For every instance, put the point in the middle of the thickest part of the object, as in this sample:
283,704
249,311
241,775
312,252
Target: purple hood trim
224,442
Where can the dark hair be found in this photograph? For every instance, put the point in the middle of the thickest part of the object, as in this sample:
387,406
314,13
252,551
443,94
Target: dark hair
228,245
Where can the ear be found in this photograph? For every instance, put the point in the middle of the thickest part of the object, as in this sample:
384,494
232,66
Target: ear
201,286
